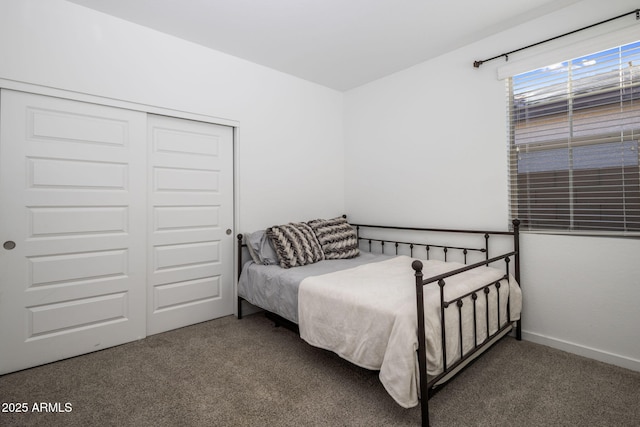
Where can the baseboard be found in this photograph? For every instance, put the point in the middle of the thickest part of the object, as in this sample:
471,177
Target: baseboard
580,350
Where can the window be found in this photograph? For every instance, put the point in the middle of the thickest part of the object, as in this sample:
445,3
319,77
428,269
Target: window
574,129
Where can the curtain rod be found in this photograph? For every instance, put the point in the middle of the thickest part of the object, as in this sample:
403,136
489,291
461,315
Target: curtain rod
477,64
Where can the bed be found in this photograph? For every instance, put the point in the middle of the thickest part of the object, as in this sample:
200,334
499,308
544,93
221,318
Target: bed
387,298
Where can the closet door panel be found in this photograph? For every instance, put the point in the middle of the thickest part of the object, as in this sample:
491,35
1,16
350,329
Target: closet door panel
72,199
190,264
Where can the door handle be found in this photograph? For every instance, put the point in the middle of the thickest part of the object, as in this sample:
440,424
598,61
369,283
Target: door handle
9,244
228,231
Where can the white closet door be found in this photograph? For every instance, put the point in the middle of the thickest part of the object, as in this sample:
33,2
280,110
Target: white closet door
190,264
72,201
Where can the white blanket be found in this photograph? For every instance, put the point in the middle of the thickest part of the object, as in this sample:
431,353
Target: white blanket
367,315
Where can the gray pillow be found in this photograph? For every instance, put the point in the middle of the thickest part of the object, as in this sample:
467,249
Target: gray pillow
260,248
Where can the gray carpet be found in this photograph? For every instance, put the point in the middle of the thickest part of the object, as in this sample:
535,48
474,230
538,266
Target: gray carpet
231,372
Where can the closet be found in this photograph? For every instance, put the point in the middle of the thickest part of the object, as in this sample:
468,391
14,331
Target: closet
115,224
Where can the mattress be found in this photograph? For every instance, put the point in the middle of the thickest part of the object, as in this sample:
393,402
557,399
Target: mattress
363,309
275,289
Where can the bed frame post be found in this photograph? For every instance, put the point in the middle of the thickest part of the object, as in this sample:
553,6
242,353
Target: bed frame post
486,246
239,254
422,350
516,248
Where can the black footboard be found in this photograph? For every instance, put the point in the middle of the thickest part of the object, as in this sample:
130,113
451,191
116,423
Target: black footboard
429,385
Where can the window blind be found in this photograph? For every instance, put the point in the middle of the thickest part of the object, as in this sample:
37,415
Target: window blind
574,129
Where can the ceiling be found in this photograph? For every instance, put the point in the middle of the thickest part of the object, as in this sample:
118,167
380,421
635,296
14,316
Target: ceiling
340,44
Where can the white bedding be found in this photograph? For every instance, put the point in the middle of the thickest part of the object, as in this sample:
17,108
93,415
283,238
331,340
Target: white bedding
367,315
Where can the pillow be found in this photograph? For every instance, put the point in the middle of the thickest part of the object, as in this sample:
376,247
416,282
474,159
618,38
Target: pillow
260,248
295,244
337,238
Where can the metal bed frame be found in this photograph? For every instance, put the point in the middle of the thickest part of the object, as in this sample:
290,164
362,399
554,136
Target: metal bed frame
430,385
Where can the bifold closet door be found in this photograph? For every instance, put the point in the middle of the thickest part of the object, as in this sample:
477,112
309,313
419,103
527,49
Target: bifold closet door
190,249
73,228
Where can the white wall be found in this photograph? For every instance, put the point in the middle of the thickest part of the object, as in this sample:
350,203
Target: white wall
291,147
428,146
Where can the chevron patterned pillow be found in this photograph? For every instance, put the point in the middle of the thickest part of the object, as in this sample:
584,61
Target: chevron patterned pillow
337,238
295,244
